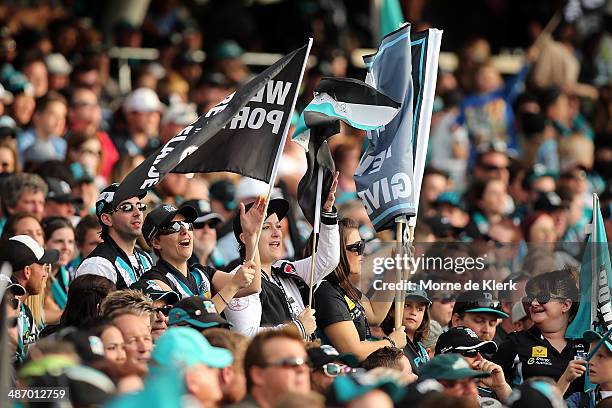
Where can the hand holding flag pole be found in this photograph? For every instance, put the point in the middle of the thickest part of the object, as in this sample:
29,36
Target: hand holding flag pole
328,206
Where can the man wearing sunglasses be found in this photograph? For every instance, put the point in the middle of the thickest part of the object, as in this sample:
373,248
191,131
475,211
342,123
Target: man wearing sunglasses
479,311
117,258
326,364
169,232
275,364
462,340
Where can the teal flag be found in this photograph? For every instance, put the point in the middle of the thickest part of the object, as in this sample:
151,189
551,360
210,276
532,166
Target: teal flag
391,17
595,309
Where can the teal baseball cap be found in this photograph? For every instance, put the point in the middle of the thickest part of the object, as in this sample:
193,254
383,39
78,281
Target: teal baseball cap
451,198
347,388
197,312
449,366
186,347
592,336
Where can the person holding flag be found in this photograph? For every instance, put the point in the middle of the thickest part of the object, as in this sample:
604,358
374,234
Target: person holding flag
169,232
345,314
284,284
117,258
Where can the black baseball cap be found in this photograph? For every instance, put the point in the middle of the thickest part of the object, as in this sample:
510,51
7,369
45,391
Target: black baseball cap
104,203
325,354
197,312
60,191
474,301
162,216
21,251
460,338
278,206
155,292
89,347
11,286
549,202
225,192
205,214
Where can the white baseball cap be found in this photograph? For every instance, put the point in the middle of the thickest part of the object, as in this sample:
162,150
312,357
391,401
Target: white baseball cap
143,100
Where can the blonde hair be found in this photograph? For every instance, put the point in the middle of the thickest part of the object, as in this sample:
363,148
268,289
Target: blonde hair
36,303
127,301
577,148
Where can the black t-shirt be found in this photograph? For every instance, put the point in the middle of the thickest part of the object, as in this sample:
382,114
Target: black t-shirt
537,357
333,305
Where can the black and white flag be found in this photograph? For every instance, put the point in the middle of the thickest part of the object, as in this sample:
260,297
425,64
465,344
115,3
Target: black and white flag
241,134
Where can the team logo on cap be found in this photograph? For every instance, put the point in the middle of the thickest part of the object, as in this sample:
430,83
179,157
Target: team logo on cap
209,306
329,350
168,208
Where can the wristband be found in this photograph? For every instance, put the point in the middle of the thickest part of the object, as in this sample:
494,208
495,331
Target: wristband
300,327
390,340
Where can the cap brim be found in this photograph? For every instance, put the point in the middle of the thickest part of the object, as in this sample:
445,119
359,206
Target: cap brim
591,336
217,357
418,298
67,199
169,297
464,373
189,212
488,347
16,289
496,312
208,218
50,256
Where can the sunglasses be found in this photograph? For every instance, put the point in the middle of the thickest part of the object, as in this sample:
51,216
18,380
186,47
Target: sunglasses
358,247
129,207
165,310
292,362
334,369
467,353
492,167
200,225
174,227
542,298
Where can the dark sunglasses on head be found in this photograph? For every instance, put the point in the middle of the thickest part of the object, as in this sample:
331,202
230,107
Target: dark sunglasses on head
357,247
165,310
129,207
174,227
335,369
293,362
200,225
542,298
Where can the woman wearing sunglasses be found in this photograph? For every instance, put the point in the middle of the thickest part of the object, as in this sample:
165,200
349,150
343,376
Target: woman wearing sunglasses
543,350
344,314
169,232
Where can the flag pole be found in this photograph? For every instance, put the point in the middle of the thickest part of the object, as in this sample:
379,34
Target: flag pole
399,293
594,270
315,231
281,146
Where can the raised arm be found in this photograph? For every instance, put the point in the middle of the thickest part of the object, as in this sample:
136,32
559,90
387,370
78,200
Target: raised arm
328,248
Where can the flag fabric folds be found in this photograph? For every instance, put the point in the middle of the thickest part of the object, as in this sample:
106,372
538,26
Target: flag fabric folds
352,101
241,134
389,174
595,309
